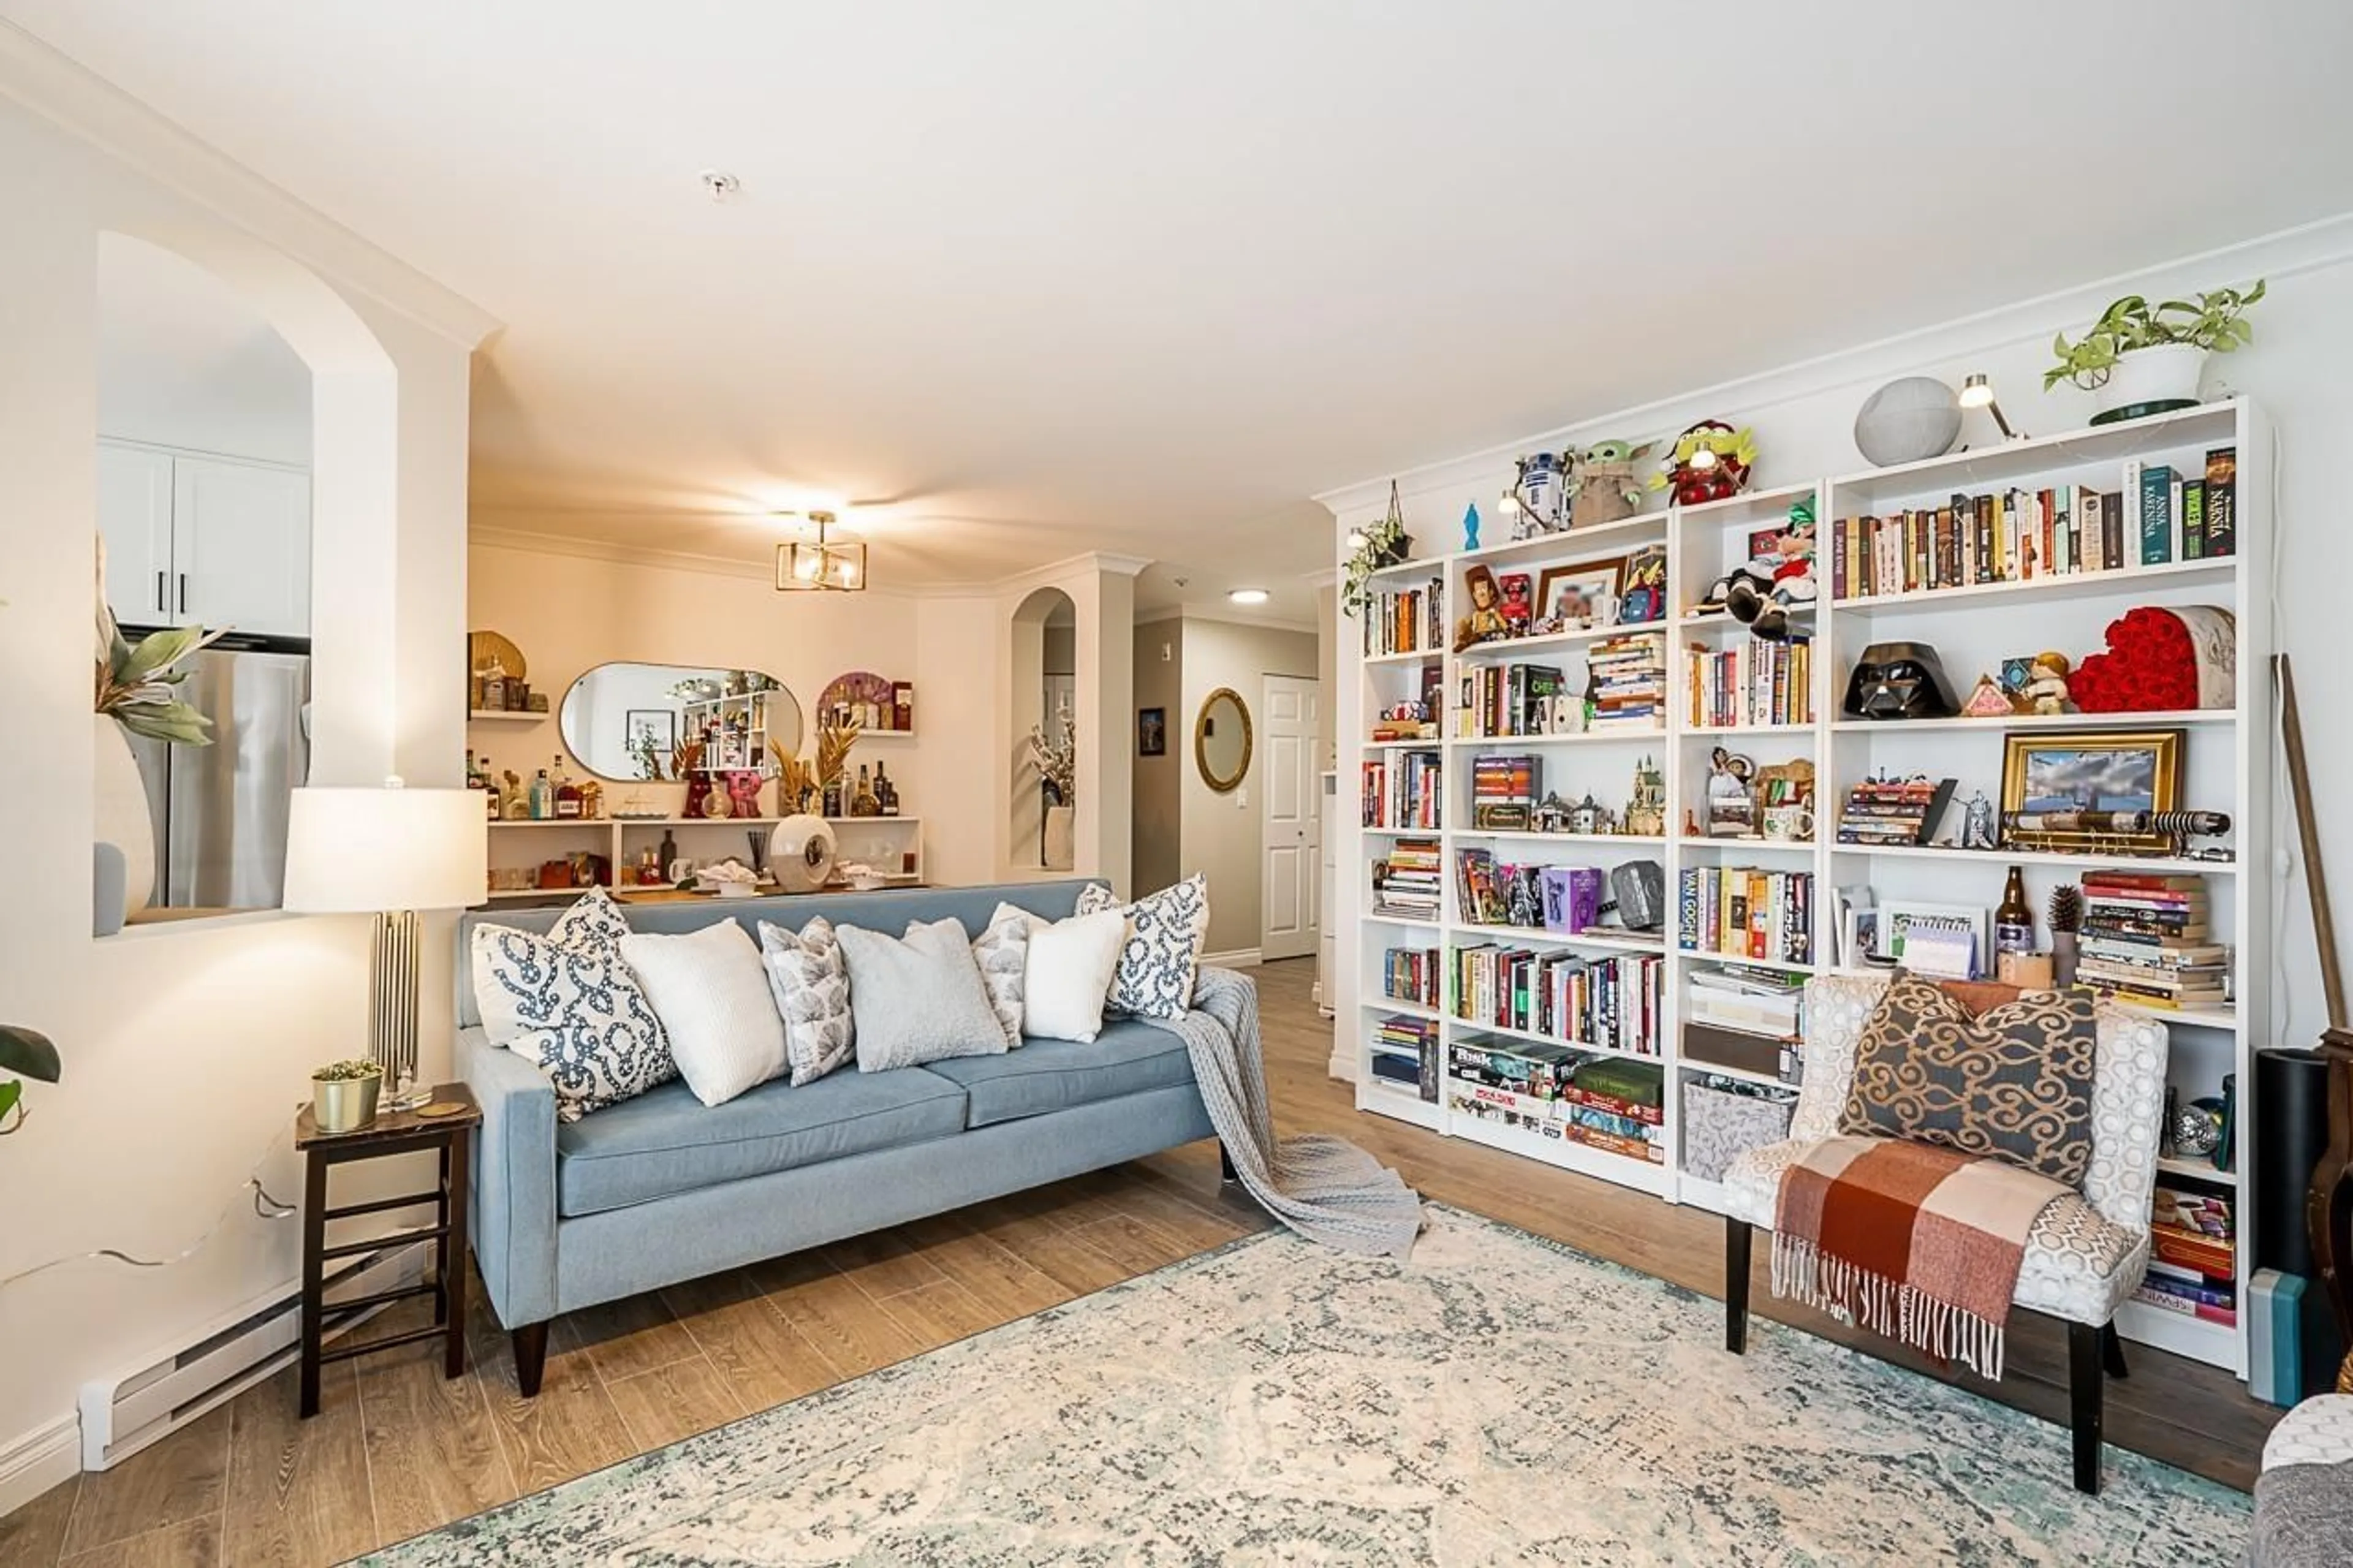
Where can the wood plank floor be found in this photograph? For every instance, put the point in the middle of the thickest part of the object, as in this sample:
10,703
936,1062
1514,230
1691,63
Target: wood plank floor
397,1449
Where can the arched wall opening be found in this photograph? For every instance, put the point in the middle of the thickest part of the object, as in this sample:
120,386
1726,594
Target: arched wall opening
1039,824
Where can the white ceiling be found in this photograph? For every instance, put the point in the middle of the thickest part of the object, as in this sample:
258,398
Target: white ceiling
1054,275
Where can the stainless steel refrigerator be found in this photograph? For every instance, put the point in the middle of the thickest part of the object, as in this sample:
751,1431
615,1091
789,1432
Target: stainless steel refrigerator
220,810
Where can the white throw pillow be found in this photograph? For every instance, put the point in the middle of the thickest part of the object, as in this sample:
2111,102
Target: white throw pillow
711,996
1003,953
1162,952
811,986
1067,974
567,1003
918,1000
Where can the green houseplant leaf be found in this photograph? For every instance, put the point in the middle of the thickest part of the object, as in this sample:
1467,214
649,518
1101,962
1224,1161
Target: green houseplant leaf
28,1052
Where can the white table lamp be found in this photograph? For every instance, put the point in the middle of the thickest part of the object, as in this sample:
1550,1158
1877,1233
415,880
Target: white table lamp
389,853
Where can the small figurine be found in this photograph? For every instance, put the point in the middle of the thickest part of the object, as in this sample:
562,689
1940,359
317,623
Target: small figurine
1976,824
1730,805
1552,815
1539,495
1601,484
1711,461
1518,607
1646,813
1988,701
1780,579
1589,816
1485,621
1470,527
2048,688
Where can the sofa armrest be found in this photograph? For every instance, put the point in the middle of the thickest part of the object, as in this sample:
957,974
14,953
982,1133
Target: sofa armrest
513,1206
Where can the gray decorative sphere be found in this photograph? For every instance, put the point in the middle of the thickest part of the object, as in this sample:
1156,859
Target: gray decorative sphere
1906,420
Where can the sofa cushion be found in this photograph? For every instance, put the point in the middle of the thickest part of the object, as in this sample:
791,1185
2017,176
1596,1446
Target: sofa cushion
1047,1076
667,1142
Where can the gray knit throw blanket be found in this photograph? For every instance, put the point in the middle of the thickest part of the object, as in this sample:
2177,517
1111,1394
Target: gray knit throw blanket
1325,1188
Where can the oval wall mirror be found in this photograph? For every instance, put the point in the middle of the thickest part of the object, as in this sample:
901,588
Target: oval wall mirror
1221,740
624,721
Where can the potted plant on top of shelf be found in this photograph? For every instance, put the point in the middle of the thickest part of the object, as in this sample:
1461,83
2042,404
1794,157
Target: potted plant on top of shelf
2145,359
1377,546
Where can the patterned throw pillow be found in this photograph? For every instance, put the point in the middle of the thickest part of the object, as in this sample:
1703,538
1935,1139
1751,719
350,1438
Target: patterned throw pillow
812,986
2013,1082
1003,953
567,1002
1165,931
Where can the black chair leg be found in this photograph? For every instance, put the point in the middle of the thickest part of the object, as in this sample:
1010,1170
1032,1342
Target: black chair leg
530,1357
2112,1352
1736,1237
2083,1379
1226,1171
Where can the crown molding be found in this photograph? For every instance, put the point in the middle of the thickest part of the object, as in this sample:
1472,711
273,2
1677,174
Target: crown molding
2308,247
78,101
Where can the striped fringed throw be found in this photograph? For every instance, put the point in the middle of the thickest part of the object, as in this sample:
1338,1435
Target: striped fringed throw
1918,1243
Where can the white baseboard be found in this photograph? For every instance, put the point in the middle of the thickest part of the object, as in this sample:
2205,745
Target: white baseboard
1340,1067
44,1458
1241,958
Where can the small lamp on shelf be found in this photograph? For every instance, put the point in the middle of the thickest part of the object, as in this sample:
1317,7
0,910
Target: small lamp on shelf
389,853
1977,392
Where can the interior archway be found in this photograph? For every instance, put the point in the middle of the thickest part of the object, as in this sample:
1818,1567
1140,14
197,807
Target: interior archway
1043,632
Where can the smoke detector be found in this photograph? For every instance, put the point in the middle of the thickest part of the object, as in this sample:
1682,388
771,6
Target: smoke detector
719,184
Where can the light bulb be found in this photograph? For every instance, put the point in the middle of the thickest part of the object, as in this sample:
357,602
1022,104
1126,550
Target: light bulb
1977,392
1703,459
1355,541
805,567
1248,596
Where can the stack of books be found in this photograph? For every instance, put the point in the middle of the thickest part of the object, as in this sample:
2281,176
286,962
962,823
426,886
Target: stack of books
1612,1002
2193,1256
1411,974
1510,699
1884,812
1405,883
1629,681
1405,1053
1503,792
1598,1101
1753,1001
1746,911
1752,682
1402,790
1615,1106
1406,621
2145,940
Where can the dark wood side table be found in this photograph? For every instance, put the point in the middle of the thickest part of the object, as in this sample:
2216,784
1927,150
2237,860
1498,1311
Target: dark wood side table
392,1132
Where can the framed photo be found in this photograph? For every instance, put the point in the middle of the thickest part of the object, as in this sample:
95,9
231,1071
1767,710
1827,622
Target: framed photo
2053,779
1570,599
1151,731
1946,928
659,725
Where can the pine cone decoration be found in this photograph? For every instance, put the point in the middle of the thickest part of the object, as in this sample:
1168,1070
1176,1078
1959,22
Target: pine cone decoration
2067,908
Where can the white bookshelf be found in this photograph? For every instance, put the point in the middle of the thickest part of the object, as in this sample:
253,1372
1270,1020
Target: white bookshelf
2226,767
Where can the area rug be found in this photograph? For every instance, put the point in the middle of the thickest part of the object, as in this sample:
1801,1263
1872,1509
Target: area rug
1497,1399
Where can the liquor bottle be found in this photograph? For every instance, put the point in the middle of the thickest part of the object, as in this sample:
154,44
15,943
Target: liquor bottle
542,798
2014,921
668,854
829,805
885,791
862,802
567,793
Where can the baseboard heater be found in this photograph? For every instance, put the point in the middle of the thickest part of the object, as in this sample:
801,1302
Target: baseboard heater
121,1415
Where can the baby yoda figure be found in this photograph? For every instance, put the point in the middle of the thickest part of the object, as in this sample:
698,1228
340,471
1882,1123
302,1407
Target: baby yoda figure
1601,484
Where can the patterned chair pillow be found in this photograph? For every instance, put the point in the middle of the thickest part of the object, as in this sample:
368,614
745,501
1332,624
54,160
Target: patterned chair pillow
568,1003
1163,951
2013,1082
811,983
1003,953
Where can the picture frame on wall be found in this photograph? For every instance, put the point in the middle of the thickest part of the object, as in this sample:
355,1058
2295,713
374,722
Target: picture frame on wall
2051,779
1151,731
1571,598
659,725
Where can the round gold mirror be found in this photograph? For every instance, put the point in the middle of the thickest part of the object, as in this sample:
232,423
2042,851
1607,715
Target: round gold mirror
1221,741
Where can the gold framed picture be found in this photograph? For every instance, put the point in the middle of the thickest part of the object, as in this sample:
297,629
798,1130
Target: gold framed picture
2065,789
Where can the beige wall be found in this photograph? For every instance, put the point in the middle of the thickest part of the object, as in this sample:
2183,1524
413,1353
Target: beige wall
1220,834
1159,781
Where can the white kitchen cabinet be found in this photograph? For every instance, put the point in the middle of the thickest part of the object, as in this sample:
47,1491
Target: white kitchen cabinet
194,540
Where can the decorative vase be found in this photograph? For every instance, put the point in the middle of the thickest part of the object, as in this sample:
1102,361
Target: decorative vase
344,1104
1062,838
2152,380
801,853
119,815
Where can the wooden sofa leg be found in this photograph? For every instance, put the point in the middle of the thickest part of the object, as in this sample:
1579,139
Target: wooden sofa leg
1737,1237
2112,1351
1226,1172
530,1357
2083,1379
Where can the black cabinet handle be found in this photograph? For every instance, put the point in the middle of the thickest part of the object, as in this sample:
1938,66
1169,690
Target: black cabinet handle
163,600
184,592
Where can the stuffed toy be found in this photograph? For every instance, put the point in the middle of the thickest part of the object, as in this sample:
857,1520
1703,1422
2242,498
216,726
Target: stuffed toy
1711,461
1763,593
1601,484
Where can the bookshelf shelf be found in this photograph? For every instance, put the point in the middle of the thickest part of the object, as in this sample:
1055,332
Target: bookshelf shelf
1411,655
2226,766
2194,1170
1380,1003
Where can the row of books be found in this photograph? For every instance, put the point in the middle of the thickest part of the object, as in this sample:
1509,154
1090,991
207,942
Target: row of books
1752,682
2193,1256
1402,789
1753,1001
1565,898
1629,681
1886,812
2145,939
1404,1052
1405,881
1410,620
1411,975
1746,911
1601,1102
1511,700
1603,1001
1503,792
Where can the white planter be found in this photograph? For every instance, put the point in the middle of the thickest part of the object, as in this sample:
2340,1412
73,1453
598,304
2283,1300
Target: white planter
2166,372
1062,838
120,814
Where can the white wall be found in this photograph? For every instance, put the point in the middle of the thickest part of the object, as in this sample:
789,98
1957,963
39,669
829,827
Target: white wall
184,361
1803,416
1221,833
1158,833
186,1050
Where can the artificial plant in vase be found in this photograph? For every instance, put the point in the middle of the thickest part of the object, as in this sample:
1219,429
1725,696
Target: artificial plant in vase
2144,359
1057,761
138,694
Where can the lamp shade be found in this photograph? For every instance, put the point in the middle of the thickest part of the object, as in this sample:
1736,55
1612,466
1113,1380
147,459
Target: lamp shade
368,851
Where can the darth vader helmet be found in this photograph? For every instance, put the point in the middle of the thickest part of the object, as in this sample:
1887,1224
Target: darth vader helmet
1899,680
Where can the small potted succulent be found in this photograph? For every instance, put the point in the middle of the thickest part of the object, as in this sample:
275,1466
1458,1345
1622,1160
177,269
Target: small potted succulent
2144,359
342,1095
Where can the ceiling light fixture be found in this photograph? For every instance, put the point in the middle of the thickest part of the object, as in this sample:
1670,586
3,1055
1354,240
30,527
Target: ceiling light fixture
820,564
1248,596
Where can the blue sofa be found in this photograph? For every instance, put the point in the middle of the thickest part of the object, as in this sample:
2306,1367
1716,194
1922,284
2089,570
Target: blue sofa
660,1188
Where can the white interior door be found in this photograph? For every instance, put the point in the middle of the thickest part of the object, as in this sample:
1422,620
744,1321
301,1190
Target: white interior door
1292,844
